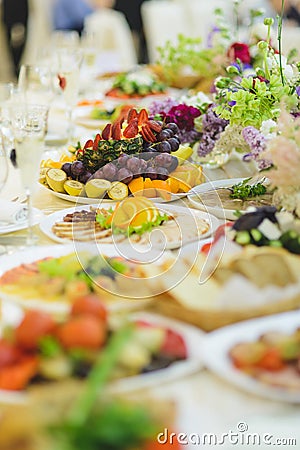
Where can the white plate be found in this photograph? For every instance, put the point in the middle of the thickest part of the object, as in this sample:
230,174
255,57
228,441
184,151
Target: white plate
9,228
217,210
29,255
47,224
82,117
218,344
193,338
93,201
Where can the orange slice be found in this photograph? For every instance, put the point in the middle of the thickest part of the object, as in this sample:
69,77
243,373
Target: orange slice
136,186
134,212
174,184
149,189
163,189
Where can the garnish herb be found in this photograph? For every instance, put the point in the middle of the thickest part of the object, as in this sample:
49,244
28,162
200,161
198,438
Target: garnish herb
244,191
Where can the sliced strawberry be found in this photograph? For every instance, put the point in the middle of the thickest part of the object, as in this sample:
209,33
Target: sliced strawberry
116,131
96,141
88,144
143,116
174,345
17,376
106,133
147,134
155,126
131,130
132,114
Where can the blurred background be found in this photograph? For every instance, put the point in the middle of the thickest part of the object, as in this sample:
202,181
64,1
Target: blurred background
135,28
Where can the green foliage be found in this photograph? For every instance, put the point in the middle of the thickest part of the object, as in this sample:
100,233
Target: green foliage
244,191
188,53
251,101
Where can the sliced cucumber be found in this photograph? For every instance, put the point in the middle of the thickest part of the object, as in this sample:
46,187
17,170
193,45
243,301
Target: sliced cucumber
243,238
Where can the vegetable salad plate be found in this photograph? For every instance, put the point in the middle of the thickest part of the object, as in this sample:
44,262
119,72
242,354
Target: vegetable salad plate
260,356
224,197
51,277
173,226
155,349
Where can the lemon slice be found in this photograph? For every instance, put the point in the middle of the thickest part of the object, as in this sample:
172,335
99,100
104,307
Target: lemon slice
42,177
56,179
97,188
73,187
118,191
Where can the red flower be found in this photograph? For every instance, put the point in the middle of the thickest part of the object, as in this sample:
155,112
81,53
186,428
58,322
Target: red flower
238,50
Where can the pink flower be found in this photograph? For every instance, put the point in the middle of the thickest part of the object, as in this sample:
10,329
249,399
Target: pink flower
240,51
285,155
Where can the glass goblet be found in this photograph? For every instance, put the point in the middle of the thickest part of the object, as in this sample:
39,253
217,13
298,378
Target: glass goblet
28,125
69,62
35,84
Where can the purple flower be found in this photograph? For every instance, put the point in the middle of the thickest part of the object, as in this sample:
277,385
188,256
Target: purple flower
162,107
184,116
298,90
257,143
212,127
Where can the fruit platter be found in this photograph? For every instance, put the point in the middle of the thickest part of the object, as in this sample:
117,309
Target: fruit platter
135,220
137,156
260,356
40,348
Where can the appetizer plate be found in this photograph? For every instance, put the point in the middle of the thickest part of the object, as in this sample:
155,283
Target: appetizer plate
93,201
9,261
82,117
218,344
216,208
192,336
11,227
47,224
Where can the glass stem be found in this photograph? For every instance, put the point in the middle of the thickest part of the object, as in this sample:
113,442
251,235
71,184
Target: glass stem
30,234
70,124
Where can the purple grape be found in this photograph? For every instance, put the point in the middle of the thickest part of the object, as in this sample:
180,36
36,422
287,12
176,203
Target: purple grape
122,160
174,144
172,126
77,169
124,175
164,147
162,173
84,177
163,135
110,171
98,174
66,167
174,164
163,160
133,164
143,166
151,173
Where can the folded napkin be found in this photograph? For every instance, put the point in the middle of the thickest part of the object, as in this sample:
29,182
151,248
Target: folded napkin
12,212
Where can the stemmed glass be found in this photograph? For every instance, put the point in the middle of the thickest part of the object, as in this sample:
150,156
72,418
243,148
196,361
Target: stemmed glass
3,166
35,83
69,61
28,126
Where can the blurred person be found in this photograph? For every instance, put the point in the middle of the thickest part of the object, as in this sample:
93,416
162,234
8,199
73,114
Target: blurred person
15,15
132,11
291,9
70,14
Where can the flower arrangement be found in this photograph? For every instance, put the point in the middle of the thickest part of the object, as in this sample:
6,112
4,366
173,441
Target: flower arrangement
184,112
284,152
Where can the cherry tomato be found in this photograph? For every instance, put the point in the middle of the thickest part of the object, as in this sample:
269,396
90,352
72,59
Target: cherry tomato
34,325
17,376
174,345
9,354
84,331
89,304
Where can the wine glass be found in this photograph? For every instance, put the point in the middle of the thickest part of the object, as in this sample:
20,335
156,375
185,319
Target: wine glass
28,126
3,166
35,83
69,61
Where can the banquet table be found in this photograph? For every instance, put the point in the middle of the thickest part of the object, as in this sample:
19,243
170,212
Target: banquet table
205,403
